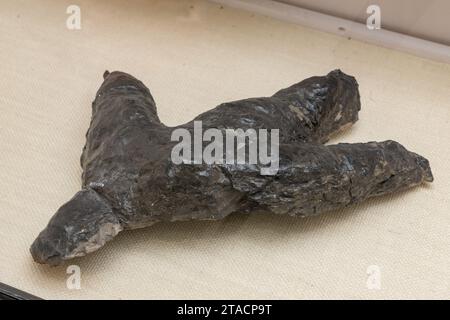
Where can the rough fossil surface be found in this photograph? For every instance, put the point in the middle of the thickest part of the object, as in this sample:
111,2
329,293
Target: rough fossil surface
129,180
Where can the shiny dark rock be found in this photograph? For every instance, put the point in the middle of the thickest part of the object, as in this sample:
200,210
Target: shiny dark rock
129,180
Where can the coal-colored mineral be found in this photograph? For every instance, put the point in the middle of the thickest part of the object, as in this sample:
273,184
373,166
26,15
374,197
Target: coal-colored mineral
130,181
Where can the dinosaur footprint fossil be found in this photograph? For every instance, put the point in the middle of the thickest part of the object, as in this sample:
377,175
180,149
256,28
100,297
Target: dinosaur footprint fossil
129,180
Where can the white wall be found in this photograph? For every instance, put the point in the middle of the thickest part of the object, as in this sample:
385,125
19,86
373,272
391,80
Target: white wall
426,19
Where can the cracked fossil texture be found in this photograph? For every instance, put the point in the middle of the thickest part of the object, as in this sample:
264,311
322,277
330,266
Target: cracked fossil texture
129,180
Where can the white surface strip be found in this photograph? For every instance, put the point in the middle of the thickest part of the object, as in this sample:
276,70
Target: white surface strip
346,28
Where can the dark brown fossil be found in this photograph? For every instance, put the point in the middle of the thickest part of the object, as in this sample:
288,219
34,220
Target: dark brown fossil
129,180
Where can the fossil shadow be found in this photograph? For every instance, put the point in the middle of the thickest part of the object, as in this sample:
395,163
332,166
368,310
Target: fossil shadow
259,227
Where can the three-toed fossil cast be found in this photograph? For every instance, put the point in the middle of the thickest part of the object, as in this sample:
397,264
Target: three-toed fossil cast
130,180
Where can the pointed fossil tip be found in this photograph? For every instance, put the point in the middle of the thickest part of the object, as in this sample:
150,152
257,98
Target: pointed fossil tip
426,169
44,252
106,74
80,226
336,72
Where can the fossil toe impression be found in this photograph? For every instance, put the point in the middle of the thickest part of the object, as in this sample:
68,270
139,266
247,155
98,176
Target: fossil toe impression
131,181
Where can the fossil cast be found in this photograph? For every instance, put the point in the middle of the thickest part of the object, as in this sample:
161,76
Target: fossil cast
129,180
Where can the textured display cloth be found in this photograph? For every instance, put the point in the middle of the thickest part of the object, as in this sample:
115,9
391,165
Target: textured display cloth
194,55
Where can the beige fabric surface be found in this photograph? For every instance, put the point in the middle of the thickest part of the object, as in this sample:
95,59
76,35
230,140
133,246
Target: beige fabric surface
194,55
